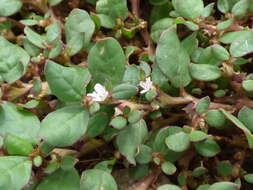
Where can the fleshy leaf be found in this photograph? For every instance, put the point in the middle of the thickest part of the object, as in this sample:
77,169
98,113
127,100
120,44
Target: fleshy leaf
79,29
188,9
67,83
106,62
13,61
61,179
113,8
97,179
15,172
9,7
19,122
173,60
130,138
65,126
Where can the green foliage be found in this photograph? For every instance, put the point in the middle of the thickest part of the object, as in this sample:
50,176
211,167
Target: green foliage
9,7
130,138
15,172
96,179
21,123
109,94
15,145
79,29
64,179
13,62
106,62
68,125
69,82
188,9
173,61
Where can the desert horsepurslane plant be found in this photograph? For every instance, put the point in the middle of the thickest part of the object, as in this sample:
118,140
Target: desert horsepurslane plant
126,94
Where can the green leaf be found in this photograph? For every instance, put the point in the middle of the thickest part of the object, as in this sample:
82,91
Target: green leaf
113,8
240,125
124,91
132,75
178,142
31,104
35,38
245,116
53,32
106,165
248,178
191,25
207,11
118,122
9,7
205,72
130,138
230,37
160,26
224,168
29,22
216,119
16,145
240,8
79,29
241,42
203,105
190,43
61,179
144,156
173,60
67,83
157,2
168,168
224,186
199,171
15,172
37,161
54,2
207,148
135,116
65,126
188,9
21,123
160,11
96,179
203,187
226,5
97,124
169,187
31,49
106,62
248,85
68,162
225,24
13,61
106,21
213,55
196,136
158,143
138,172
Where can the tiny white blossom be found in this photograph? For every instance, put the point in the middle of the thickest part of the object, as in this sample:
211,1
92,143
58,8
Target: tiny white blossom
146,85
99,94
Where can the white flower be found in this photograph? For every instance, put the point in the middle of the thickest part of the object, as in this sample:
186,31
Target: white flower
99,94
146,85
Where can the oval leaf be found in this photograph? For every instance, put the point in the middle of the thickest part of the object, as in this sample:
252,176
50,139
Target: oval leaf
67,83
65,126
173,60
97,179
106,62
